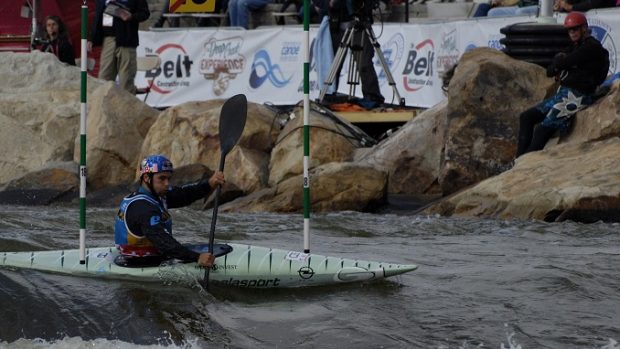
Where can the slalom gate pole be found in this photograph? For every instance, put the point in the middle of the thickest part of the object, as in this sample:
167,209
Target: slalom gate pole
306,44
83,76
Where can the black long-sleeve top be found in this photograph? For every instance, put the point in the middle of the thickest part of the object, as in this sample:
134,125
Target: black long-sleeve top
585,5
582,66
61,49
125,33
139,213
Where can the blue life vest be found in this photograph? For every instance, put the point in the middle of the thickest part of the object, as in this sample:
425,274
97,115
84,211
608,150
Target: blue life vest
129,243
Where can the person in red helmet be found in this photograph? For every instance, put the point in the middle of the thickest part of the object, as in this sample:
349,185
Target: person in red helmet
143,226
580,69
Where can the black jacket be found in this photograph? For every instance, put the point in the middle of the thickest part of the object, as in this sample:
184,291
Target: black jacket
61,49
126,33
586,5
138,219
582,66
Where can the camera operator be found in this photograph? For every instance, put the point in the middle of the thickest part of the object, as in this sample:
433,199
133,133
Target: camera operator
357,13
56,40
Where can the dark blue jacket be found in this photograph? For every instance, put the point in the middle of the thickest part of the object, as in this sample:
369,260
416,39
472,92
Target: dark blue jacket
126,33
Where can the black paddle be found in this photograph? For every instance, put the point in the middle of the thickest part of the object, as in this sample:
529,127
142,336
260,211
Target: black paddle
232,121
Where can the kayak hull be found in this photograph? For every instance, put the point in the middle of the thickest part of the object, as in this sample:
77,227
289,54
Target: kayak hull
246,266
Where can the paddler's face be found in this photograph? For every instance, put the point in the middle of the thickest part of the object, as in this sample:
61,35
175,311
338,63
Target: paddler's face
161,183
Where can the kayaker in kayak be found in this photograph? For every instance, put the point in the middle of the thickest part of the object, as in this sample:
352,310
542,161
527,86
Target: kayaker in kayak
143,226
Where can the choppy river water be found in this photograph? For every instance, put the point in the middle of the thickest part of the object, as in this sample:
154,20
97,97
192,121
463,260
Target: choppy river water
480,284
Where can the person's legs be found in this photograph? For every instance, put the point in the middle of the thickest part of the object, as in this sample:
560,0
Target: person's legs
368,75
527,122
527,11
127,68
233,9
482,10
107,62
542,134
554,114
165,9
503,11
249,5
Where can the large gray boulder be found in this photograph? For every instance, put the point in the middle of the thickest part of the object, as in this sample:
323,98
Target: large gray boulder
578,181
598,122
335,186
39,112
117,124
189,134
485,97
56,181
331,140
412,155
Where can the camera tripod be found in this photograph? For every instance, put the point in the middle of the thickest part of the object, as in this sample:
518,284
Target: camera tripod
362,29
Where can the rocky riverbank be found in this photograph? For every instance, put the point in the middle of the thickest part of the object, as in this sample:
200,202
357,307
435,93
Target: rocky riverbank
459,152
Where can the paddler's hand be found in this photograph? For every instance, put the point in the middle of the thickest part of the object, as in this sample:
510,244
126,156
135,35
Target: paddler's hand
206,260
217,179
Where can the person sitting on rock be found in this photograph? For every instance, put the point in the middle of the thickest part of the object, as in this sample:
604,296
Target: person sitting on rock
143,226
580,69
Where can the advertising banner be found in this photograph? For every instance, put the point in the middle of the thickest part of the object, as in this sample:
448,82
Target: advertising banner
267,64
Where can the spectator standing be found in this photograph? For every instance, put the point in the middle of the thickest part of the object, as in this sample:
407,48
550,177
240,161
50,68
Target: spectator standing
580,69
342,15
239,11
118,35
57,40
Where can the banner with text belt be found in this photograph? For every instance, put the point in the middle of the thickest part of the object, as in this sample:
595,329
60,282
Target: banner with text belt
266,64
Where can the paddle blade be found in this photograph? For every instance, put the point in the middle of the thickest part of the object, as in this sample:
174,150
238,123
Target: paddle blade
232,121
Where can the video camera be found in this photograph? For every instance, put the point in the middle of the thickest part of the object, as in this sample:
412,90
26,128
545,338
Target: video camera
40,41
363,8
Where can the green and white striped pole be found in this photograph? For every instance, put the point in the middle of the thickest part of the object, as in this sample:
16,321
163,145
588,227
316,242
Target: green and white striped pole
306,126
83,72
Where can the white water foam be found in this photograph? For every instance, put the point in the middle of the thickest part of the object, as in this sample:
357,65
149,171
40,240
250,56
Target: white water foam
79,343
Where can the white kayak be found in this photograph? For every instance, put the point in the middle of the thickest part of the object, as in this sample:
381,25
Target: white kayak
237,265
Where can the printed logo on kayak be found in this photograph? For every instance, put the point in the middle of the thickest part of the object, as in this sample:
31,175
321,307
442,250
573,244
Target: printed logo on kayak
250,283
222,61
351,274
305,272
418,71
217,267
174,70
393,51
264,70
600,30
296,256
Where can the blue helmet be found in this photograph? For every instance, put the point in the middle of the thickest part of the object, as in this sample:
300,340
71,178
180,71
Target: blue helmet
155,164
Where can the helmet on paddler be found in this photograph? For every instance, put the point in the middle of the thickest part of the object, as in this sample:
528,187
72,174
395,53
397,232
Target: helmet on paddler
154,164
